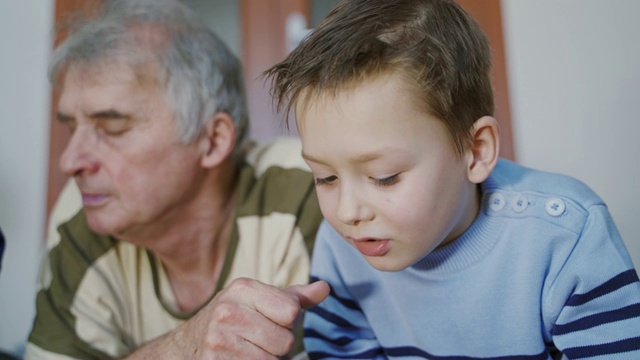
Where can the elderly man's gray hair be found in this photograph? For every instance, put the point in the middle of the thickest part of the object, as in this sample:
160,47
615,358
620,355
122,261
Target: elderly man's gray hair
198,72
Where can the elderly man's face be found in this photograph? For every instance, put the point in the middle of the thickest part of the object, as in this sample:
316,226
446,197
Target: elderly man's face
135,175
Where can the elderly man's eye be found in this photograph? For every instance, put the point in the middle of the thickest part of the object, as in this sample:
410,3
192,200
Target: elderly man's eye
71,125
114,126
68,121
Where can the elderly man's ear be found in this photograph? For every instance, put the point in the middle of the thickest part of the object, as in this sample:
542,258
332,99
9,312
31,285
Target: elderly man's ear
218,141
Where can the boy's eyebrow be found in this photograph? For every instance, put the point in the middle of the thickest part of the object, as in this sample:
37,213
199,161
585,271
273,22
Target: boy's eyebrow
368,157
360,158
308,157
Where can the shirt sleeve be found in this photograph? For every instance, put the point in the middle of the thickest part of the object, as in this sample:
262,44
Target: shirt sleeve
337,327
593,305
72,321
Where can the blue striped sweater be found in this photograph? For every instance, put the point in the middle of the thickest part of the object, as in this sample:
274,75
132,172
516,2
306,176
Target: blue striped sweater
541,274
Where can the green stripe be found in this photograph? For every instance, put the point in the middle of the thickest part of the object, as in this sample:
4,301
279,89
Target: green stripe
54,325
288,191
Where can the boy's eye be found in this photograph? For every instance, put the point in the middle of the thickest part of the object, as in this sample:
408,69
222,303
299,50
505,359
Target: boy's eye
326,181
388,181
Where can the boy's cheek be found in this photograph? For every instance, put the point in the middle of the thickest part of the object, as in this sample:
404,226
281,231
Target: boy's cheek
326,207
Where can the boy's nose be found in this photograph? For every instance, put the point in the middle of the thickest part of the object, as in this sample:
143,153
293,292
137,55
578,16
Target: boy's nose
78,156
352,210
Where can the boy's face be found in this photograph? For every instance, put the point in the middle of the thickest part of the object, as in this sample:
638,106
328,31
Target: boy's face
388,179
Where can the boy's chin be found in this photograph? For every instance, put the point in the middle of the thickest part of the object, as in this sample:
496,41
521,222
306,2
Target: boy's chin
386,263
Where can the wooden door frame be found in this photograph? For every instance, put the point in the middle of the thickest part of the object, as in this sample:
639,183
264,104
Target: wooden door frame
59,135
264,44
488,14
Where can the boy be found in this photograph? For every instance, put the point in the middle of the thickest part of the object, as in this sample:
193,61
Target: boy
461,255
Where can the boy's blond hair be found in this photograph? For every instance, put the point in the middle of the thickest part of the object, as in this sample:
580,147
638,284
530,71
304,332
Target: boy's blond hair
433,44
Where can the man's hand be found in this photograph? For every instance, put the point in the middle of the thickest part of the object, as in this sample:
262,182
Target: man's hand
246,320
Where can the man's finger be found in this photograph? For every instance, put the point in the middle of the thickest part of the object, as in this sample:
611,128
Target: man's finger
311,294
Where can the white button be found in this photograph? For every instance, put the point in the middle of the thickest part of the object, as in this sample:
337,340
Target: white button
519,203
555,207
496,201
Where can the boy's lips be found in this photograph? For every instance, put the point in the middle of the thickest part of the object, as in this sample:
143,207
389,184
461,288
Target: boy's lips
371,247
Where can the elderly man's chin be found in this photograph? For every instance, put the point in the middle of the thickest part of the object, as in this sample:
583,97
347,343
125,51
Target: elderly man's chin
103,223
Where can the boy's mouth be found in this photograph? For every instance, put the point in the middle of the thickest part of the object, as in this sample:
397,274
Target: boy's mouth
372,247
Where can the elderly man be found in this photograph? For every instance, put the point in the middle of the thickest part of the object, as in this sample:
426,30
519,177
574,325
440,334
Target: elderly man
191,240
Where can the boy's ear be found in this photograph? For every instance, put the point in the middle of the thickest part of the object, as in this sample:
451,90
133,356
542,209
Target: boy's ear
483,154
218,139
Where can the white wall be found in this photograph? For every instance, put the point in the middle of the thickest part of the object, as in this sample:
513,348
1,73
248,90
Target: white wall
574,75
24,114
572,67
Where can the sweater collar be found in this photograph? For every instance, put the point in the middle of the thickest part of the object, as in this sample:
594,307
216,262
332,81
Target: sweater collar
470,248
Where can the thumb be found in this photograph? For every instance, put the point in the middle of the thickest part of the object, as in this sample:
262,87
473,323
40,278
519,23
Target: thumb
311,294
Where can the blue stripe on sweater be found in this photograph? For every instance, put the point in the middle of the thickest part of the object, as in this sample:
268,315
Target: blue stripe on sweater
348,303
340,341
603,349
627,312
331,317
615,283
369,354
412,351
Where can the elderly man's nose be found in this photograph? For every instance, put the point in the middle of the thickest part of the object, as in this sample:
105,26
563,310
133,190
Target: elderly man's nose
78,156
